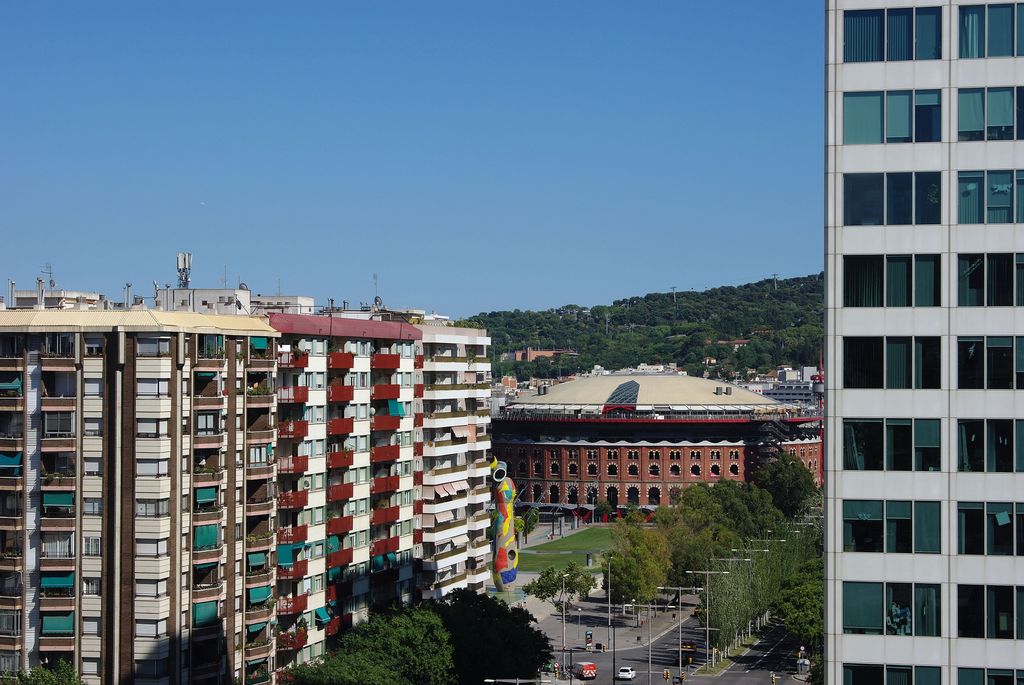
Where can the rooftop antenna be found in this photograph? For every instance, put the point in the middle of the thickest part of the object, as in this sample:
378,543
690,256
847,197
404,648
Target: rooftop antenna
224,280
376,287
278,285
673,294
184,269
775,278
48,271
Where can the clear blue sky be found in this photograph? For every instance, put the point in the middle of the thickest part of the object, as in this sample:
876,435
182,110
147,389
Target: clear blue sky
476,155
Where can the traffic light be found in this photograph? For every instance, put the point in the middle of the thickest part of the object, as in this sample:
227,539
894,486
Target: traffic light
774,680
682,676
665,674
689,659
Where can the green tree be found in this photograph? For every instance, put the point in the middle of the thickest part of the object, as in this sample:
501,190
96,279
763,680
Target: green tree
62,674
801,604
789,483
491,639
641,558
527,523
549,585
407,646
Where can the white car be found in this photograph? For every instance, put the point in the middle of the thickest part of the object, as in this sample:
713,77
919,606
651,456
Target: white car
625,673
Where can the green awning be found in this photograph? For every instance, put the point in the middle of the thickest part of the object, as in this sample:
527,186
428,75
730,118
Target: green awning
206,495
392,559
395,408
256,662
206,374
205,537
333,544
60,624
258,343
256,627
285,555
58,499
58,580
322,615
11,385
204,613
9,459
377,563
259,594
333,573
208,565
257,559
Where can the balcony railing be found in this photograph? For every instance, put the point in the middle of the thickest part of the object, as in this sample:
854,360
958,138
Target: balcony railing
297,571
385,484
385,361
385,453
385,515
340,393
294,640
293,394
294,464
341,426
341,360
292,605
341,459
339,525
293,499
293,534
385,391
385,423
293,429
384,546
293,360
343,557
340,492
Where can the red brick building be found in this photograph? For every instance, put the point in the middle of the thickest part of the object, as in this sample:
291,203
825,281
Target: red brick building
641,439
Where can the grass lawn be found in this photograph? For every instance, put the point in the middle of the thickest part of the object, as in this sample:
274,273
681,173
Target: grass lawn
559,553
532,562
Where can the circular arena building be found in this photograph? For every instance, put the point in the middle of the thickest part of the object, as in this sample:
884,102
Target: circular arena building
640,439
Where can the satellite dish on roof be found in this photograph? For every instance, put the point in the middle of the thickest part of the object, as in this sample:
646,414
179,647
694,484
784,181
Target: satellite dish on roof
243,286
378,302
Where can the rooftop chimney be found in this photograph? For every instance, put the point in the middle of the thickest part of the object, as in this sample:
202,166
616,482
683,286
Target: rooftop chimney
40,298
11,302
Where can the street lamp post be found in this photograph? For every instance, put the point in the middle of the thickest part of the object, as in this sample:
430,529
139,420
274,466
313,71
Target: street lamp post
564,576
579,620
650,636
708,659
611,628
679,601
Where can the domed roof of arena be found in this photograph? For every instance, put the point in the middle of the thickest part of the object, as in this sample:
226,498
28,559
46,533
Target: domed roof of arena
646,391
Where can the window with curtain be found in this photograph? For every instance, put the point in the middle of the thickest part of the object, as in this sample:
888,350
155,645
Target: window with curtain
899,200
1000,197
927,363
971,114
970,280
898,281
863,445
970,363
927,611
999,270
970,521
971,448
928,32
927,116
1000,31
898,363
999,446
862,280
927,527
898,445
899,609
999,528
999,362
970,200
927,197
899,527
1019,363
898,122
899,675
862,609
970,676
899,35
863,529
863,199
863,35
927,444
927,281
972,31
1000,114
863,362
862,118
1018,272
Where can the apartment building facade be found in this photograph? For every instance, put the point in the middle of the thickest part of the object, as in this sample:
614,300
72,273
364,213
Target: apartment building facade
350,473
456,447
136,482
924,342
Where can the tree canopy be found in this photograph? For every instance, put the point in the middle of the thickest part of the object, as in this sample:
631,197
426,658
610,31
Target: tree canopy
781,319
548,586
62,674
789,483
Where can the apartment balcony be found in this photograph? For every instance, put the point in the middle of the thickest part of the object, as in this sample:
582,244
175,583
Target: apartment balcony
385,423
340,393
417,420
292,534
291,640
14,561
64,362
341,459
417,449
205,592
12,363
333,626
259,578
417,362
385,453
207,474
51,522
384,546
12,523
385,484
293,499
57,599
208,401
259,614
341,360
264,360
210,514
341,492
259,470
203,556
295,430
259,435
295,394
259,542
59,482
12,403
298,604
297,464
340,426
385,361
65,562
339,525
417,536
58,403
258,397
259,649
57,443
385,391
12,441
56,643
343,557
292,360
259,506
385,515
208,441
417,505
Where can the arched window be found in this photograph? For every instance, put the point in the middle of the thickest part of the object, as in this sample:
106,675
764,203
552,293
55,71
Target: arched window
553,492
573,495
632,454
694,455
591,495
591,469
633,495
556,468
654,469
537,490
734,469
653,496
574,468
521,467
653,454
716,454
592,454
734,454
612,454
538,468
522,453
695,469
613,470
674,494
613,496
673,470
633,470
537,454
716,469
675,454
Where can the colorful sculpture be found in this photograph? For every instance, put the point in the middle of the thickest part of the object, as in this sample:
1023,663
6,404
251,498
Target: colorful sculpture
504,547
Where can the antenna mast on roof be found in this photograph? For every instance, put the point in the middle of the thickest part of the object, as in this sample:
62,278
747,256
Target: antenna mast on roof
48,271
184,269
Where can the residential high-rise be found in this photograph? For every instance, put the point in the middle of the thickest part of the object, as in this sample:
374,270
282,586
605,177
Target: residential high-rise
136,485
925,351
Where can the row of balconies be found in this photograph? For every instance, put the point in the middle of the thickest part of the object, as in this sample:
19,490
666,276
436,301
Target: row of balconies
338,360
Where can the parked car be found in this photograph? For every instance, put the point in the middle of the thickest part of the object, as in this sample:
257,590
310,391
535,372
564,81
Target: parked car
687,647
586,670
625,673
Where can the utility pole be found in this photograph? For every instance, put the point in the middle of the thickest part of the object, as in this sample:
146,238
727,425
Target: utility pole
707,614
673,294
679,602
564,576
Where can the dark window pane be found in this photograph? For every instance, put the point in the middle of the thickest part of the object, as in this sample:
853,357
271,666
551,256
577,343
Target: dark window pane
971,445
898,364
862,445
863,36
863,199
927,363
999,276
863,362
999,446
927,197
929,33
1019,108
1018,524
1018,298
1020,363
927,281
999,363
862,281
999,528
970,602
970,528
970,198
900,35
970,280
899,530
898,445
897,281
970,676
927,444
927,675
899,199
1000,612
927,527
899,608
862,526
927,116
927,607
863,674
970,363
862,609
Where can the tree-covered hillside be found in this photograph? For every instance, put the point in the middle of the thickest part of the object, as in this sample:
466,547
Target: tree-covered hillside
782,319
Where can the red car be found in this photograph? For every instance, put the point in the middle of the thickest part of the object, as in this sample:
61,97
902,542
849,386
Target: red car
586,670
